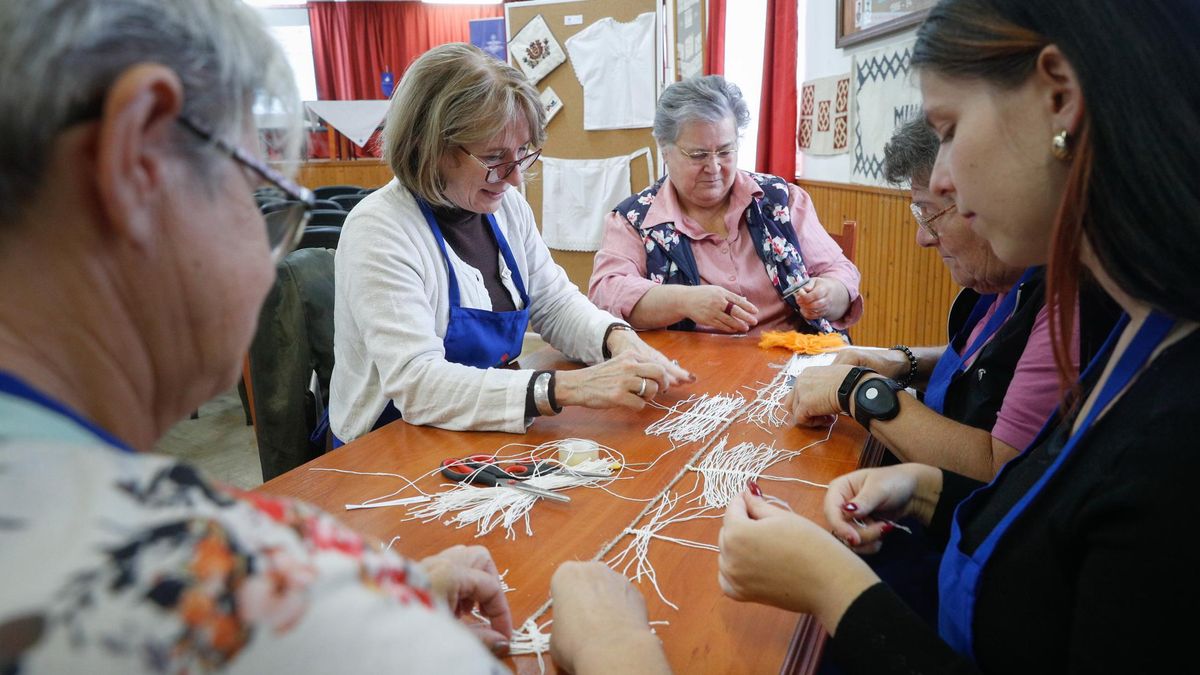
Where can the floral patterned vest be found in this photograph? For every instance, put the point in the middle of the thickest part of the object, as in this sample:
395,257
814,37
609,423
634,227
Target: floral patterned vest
669,258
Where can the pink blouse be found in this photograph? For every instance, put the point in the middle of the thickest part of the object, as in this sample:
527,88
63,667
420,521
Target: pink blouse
619,277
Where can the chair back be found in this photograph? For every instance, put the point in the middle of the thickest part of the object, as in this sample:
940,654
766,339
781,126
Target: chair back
348,202
328,204
319,236
327,218
848,239
327,191
276,205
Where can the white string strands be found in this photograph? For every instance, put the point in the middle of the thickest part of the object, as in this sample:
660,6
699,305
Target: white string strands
488,508
635,556
696,417
530,638
767,409
726,471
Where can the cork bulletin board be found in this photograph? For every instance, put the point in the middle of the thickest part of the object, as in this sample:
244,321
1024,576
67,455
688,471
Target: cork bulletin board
566,137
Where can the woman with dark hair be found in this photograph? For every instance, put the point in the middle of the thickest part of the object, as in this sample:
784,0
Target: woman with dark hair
1062,128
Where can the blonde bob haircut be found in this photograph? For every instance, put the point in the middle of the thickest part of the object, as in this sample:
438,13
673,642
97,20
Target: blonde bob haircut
453,95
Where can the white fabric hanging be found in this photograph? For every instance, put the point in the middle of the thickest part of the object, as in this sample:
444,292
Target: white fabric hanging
578,193
535,50
615,62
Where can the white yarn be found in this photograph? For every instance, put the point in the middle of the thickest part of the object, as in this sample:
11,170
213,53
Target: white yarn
726,472
488,508
697,417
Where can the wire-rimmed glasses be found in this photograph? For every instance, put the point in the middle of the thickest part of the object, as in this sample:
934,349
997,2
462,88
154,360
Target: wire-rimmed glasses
701,157
926,222
285,225
498,172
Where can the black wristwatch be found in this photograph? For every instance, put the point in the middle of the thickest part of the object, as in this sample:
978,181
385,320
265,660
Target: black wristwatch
876,400
847,387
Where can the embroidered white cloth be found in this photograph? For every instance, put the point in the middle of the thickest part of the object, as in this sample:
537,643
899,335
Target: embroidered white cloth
885,96
578,193
356,120
615,62
551,102
824,119
535,50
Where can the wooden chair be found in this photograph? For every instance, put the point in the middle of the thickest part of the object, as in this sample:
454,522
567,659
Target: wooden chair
848,239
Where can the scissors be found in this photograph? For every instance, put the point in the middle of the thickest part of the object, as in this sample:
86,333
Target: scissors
483,470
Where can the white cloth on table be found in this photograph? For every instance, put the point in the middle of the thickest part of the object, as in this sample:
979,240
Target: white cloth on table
615,63
578,193
391,309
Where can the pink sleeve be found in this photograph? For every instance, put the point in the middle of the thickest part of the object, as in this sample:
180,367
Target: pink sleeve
619,272
822,256
1034,391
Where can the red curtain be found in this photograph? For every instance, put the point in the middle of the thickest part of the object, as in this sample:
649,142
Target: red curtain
777,114
714,54
354,41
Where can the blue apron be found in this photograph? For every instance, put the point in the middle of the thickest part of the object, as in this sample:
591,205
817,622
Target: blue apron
13,386
474,337
953,362
960,574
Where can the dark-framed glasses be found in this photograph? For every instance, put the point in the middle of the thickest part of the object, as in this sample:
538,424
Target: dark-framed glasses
498,172
926,222
284,225
722,156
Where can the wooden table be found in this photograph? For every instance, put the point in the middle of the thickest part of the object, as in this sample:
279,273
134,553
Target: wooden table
709,633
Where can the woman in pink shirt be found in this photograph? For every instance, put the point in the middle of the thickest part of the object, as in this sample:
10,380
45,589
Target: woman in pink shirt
712,248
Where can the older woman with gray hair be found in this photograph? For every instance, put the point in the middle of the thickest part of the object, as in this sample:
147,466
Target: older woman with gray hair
712,248
135,261
440,272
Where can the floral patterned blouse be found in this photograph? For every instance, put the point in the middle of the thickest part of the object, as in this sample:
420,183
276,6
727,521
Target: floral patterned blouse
115,562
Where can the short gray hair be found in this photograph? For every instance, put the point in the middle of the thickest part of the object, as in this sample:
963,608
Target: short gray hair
909,156
452,95
58,59
709,98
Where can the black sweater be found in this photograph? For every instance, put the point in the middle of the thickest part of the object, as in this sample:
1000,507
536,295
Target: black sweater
1096,575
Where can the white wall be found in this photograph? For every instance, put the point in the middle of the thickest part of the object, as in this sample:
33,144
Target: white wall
819,58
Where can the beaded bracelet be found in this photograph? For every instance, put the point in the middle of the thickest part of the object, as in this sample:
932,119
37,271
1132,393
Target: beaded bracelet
912,366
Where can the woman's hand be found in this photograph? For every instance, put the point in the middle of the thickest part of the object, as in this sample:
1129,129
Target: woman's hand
887,362
775,557
813,399
718,308
629,379
466,578
876,496
600,623
823,298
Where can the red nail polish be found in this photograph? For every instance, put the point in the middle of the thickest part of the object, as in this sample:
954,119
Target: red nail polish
850,506
887,527
754,489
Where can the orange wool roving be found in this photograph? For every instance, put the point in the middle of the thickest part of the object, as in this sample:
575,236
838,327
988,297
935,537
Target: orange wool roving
802,343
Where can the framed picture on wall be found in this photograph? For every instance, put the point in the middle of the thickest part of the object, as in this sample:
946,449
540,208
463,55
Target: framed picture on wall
860,21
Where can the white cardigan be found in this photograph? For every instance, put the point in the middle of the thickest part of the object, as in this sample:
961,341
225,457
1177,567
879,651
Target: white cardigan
392,306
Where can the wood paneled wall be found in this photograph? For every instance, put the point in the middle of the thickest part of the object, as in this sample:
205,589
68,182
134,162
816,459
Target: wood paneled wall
364,172
907,289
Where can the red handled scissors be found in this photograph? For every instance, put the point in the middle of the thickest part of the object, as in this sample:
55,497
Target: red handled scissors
484,470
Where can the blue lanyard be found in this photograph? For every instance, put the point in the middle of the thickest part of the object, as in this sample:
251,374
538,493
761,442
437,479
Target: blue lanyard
14,386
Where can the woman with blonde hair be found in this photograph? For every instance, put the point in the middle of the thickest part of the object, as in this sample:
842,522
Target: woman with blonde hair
440,272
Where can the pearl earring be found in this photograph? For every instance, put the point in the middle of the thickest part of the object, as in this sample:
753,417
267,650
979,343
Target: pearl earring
1060,146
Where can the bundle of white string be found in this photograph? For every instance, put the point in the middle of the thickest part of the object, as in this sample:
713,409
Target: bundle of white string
726,471
697,417
488,508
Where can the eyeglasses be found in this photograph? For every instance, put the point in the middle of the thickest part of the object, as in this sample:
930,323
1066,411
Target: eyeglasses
926,222
284,226
498,172
701,157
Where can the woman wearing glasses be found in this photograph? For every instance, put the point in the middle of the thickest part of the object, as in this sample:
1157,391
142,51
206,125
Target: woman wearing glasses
135,262
712,248
439,273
